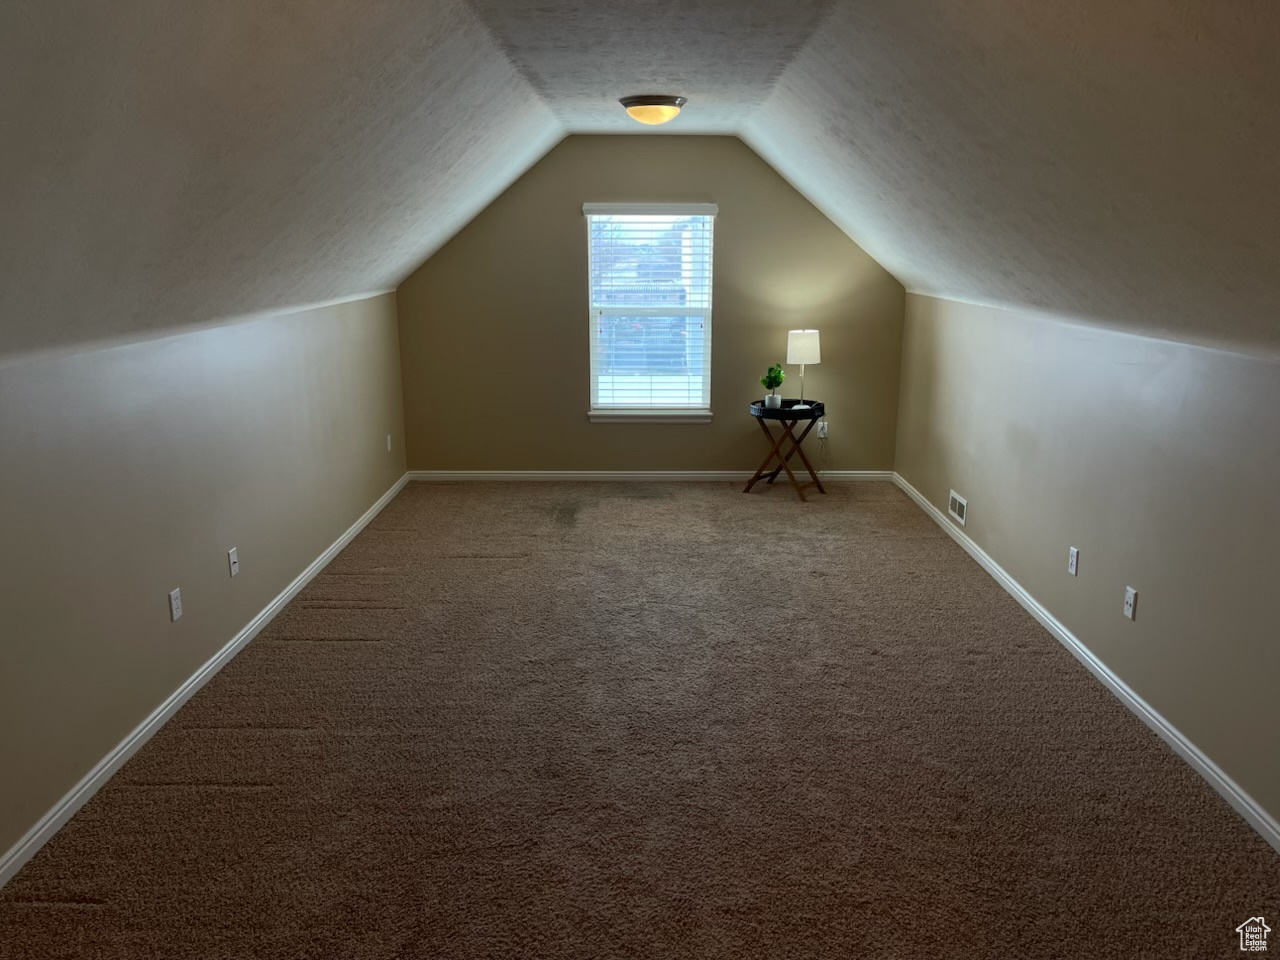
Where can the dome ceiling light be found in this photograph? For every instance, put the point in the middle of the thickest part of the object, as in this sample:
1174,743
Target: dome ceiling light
652,109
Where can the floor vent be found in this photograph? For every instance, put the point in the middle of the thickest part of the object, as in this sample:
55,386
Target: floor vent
958,507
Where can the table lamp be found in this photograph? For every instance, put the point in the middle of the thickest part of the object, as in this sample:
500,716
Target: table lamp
802,348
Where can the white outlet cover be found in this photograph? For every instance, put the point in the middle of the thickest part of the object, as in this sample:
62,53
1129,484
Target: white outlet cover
175,604
1131,603
1073,561
388,443
233,561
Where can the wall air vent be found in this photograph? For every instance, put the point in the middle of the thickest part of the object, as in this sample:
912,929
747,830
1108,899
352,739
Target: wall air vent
958,507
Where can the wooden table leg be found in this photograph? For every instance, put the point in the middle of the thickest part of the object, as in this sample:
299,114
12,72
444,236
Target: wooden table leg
796,447
785,430
775,452
805,460
774,446
794,482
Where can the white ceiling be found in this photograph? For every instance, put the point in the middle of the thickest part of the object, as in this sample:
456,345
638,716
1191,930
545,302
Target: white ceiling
173,164
1113,162
167,164
582,55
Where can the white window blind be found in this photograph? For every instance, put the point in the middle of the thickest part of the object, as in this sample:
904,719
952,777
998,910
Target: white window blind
649,269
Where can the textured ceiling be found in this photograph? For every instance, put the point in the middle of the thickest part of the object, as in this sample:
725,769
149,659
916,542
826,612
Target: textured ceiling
171,164
168,164
582,55
1114,162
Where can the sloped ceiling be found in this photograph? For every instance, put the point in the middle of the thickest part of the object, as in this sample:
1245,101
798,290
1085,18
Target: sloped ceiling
171,164
582,55
1112,162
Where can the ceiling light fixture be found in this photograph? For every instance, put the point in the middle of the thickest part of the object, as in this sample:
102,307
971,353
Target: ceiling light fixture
652,108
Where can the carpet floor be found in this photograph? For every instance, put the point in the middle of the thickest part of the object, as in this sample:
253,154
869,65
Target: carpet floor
648,721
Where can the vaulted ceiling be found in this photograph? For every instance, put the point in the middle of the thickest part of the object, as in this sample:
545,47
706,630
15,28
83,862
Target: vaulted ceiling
1113,162
172,164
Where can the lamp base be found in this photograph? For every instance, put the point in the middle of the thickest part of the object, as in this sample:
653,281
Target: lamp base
800,406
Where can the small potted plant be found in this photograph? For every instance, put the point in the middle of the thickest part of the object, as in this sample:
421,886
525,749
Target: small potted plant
771,381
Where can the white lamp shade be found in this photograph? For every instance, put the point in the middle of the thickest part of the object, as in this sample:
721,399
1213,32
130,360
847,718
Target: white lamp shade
802,346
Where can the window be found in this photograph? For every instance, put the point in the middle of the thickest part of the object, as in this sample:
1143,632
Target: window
649,270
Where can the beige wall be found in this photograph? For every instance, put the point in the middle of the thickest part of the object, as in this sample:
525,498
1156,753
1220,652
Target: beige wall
499,315
1159,461
129,471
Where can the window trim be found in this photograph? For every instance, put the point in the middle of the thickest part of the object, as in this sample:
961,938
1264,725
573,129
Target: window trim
649,415
652,209
646,414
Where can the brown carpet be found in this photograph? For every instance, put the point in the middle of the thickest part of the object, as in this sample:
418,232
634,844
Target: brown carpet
648,721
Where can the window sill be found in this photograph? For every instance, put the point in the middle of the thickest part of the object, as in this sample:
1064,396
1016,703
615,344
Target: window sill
649,416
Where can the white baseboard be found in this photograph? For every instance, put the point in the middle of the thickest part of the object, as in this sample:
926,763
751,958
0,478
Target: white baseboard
79,795
736,475
1244,804
840,476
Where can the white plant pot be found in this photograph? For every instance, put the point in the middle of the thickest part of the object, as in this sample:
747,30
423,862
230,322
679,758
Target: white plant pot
772,401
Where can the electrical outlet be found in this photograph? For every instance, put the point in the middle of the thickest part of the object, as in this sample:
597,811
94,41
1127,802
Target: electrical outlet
388,443
822,429
175,604
233,561
1131,603
1073,561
